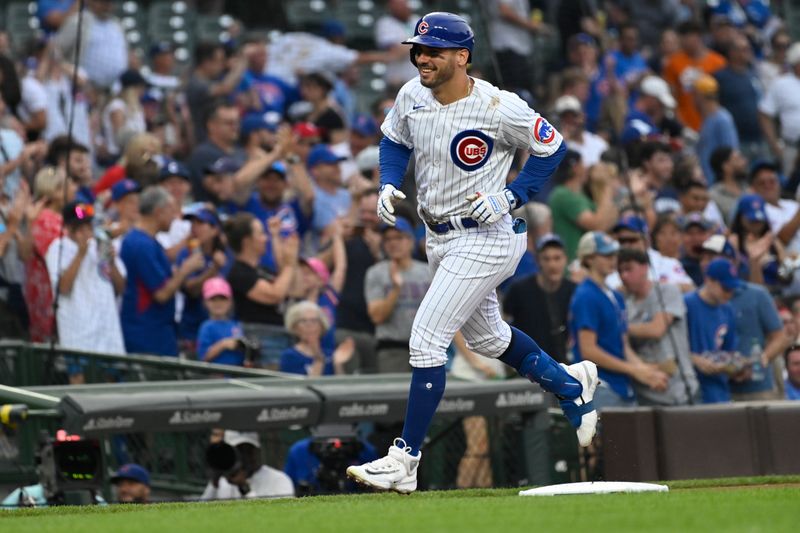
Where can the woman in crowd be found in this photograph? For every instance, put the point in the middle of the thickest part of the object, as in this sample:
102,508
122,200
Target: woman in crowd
52,191
762,252
307,322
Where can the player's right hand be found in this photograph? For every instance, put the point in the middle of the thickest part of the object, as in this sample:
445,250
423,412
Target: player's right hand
388,195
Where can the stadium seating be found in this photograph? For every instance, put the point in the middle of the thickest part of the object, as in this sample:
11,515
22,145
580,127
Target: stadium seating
307,14
21,22
173,22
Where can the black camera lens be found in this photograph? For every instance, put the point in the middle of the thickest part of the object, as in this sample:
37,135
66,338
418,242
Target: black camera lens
221,456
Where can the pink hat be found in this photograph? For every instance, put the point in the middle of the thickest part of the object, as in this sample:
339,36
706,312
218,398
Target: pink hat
319,268
216,287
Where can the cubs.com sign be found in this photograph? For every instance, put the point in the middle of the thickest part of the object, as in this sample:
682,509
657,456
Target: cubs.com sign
470,149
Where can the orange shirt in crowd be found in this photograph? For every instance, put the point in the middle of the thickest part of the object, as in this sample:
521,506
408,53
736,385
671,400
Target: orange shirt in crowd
681,71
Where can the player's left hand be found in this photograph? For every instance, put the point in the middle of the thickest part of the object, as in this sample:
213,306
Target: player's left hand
488,208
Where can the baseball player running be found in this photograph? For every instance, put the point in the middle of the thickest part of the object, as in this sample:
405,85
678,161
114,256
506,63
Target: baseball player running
463,133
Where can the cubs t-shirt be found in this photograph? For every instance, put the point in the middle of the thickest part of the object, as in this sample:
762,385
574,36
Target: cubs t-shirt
602,311
294,361
147,325
711,329
212,331
273,93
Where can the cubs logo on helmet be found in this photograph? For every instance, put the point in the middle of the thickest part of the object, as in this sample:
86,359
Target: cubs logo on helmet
422,29
543,132
470,149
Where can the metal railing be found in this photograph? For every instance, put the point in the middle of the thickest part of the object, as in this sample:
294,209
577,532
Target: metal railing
29,365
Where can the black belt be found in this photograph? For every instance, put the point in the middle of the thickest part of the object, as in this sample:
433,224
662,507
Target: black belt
388,344
444,227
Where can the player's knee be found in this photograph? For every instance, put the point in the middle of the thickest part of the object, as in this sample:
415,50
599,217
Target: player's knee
426,348
486,346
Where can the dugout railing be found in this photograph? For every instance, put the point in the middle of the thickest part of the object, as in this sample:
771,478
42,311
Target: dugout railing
31,365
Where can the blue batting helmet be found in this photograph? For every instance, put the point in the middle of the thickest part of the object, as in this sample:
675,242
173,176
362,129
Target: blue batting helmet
442,30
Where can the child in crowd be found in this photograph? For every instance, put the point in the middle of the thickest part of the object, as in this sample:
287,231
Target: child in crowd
220,338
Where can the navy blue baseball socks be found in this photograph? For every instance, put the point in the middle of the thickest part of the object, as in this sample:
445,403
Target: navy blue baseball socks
573,385
427,388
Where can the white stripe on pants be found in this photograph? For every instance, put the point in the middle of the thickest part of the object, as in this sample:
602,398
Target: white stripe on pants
467,265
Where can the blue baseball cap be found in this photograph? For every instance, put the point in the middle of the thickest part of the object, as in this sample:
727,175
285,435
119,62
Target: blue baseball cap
151,96
253,122
402,225
174,168
161,47
322,154
548,239
632,223
223,165
596,243
277,167
332,28
364,125
724,272
752,208
123,188
202,214
133,472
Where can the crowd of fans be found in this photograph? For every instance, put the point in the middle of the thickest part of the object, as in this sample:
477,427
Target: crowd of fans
226,212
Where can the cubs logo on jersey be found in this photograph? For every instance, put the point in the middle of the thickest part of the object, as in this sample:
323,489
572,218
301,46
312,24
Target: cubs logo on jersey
470,149
543,132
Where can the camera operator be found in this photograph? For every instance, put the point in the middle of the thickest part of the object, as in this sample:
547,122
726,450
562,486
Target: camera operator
239,473
318,463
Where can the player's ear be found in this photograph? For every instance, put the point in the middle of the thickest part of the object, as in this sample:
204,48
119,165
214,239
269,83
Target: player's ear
462,57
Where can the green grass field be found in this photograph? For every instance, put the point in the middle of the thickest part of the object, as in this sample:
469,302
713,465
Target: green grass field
757,504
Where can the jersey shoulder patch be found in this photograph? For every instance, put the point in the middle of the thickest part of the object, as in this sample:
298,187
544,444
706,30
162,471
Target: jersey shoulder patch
543,131
470,149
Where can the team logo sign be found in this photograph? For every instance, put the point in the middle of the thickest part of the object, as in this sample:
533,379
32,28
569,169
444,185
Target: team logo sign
543,132
422,29
470,149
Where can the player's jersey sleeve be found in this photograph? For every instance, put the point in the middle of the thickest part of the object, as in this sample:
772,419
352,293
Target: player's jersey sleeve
522,127
395,126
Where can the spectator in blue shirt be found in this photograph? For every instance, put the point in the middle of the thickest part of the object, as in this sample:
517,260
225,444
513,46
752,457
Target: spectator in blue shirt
206,236
304,461
52,13
307,322
331,199
759,330
712,329
219,339
598,326
740,90
792,384
148,303
629,64
718,128
260,92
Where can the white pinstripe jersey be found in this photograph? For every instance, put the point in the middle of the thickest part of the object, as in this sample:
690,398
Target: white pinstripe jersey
466,146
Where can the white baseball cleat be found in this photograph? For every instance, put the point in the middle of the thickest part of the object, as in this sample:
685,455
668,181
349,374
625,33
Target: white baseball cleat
396,472
581,412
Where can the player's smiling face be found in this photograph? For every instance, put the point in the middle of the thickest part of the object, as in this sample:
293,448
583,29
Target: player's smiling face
437,66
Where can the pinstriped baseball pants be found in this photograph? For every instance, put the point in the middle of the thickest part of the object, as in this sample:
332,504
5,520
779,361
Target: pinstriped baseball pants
467,266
